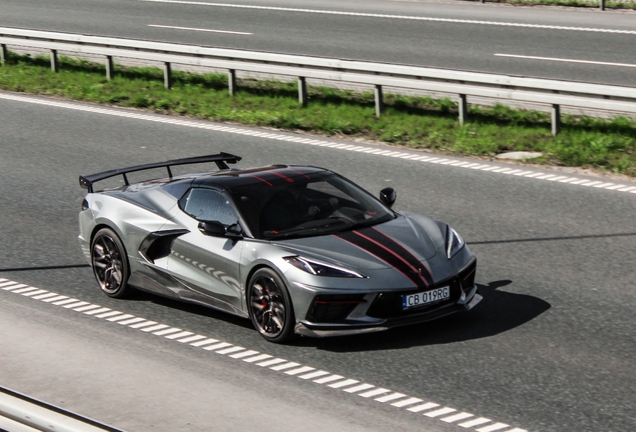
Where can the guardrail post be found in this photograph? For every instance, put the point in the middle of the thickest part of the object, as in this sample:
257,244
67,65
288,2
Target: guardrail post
167,75
601,4
556,119
55,64
463,109
4,54
379,101
302,91
231,81
110,68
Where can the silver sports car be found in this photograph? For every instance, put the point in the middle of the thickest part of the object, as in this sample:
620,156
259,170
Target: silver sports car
296,249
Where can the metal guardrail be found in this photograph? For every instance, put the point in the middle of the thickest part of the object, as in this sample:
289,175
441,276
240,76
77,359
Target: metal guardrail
463,84
19,412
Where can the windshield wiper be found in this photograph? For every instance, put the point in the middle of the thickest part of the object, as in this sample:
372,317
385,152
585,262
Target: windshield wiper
367,223
309,230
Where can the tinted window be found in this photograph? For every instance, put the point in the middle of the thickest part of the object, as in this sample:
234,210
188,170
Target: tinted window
316,205
209,205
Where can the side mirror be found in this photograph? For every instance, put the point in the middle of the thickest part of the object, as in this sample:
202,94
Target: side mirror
212,228
388,196
217,229
234,231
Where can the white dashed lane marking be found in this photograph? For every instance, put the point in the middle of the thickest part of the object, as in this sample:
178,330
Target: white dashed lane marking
621,187
401,17
368,391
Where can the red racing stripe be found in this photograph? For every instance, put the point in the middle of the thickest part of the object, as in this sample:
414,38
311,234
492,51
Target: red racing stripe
386,252
398,248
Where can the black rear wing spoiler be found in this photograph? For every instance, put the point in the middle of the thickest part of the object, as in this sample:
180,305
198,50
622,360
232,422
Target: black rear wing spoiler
221,159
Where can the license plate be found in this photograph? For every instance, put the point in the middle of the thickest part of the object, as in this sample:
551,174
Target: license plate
426,297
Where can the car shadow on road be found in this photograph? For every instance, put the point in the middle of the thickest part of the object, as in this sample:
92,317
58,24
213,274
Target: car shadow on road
190,308
499,312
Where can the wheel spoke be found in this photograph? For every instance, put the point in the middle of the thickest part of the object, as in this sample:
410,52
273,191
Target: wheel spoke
99,250
278,322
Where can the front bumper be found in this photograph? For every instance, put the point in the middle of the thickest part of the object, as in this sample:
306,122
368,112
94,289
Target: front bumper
305,328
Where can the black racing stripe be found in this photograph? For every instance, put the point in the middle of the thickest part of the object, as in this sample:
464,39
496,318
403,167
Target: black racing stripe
369,246
397,248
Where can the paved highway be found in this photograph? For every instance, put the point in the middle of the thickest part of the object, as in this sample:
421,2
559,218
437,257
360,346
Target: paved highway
549,349
569,44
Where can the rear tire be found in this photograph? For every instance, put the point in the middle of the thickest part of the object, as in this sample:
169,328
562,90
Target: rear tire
270,306
110,264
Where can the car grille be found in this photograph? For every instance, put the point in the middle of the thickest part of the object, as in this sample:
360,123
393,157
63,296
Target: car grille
333,308
389,304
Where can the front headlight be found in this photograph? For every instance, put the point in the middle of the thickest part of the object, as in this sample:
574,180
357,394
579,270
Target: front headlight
454,243
320,268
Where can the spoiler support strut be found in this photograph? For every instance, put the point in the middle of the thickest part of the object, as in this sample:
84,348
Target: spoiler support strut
221,160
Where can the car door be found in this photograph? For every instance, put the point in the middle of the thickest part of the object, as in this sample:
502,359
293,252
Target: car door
208,265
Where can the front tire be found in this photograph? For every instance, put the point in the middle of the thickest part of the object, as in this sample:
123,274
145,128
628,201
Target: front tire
270,307
110,263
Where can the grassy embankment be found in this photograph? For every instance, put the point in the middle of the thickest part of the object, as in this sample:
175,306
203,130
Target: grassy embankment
415,122
573,3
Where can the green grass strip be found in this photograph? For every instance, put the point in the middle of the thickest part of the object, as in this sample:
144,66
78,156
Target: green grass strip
572,3
413,122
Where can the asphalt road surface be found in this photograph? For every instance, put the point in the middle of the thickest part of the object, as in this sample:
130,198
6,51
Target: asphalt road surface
568,44
550,348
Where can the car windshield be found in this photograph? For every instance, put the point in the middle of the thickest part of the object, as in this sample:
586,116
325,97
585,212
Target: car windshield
308,206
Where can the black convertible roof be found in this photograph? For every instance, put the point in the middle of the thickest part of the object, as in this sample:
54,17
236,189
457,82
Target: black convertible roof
221,159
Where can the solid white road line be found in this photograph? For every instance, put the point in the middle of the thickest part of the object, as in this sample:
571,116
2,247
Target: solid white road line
386,16
216,127
630,65
198,29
